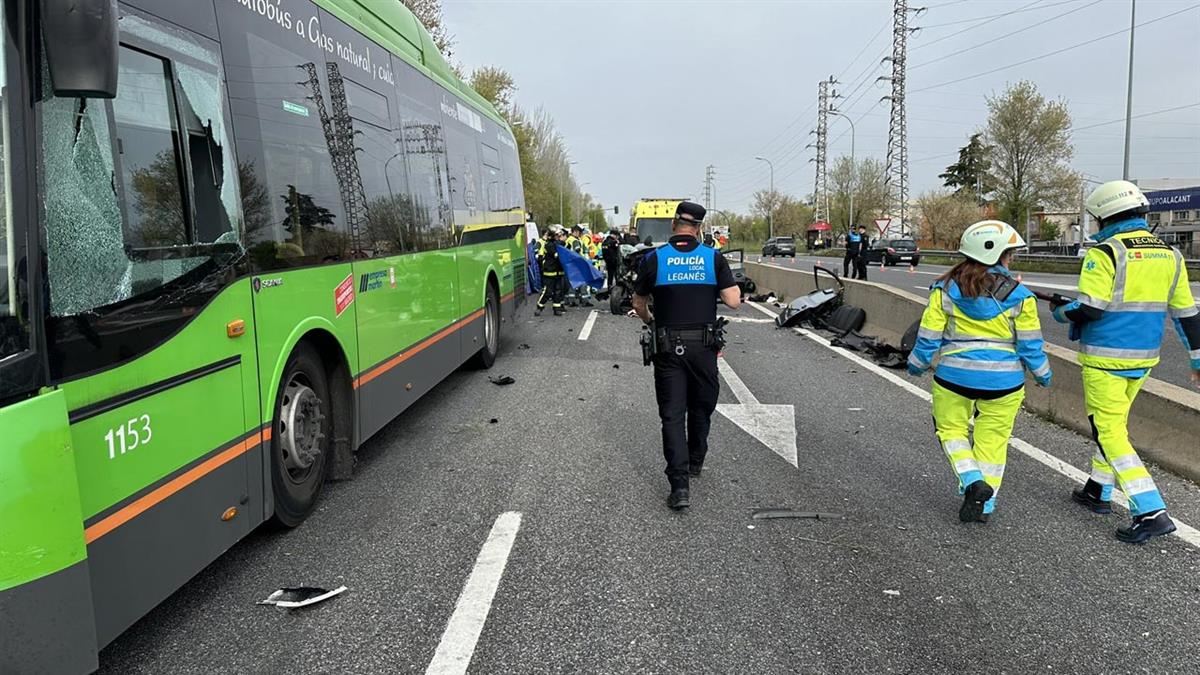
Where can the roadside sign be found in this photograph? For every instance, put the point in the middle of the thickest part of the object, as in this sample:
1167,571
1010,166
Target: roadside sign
882,225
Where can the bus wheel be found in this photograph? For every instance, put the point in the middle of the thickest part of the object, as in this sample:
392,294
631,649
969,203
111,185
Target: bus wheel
300,439
486,356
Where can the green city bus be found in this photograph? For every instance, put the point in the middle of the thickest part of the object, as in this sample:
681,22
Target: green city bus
238,237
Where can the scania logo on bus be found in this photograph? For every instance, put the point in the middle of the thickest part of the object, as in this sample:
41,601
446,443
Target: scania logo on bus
260,283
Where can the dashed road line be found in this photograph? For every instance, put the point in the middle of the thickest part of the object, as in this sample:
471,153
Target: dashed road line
1184,531
454,652
587,325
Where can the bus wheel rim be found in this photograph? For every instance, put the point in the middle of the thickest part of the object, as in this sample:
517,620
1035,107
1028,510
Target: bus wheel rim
300,428
489,328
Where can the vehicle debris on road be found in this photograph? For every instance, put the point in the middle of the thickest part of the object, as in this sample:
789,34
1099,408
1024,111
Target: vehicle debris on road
300,596
502,380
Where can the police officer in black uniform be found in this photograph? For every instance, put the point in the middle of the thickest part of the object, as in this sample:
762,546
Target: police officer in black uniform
685,279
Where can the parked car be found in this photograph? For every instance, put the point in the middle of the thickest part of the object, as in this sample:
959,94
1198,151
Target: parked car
894,252
779,246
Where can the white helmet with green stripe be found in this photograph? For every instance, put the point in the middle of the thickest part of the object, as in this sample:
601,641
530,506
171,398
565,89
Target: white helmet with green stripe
987,240
1115,197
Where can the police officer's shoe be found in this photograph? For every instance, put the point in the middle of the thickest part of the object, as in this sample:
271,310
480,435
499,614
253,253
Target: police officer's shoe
695,469
973,498
1145,526
679,499
1089,496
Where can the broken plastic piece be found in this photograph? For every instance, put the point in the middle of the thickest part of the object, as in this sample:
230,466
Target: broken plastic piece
300,596
891,592
760,514
503,380
493,421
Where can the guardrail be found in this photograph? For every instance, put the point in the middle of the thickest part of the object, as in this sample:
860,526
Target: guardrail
1165,421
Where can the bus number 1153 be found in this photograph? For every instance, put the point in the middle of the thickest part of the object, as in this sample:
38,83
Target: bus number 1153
136,430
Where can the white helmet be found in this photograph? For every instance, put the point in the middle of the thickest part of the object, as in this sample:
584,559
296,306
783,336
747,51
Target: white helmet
987,240
1113,197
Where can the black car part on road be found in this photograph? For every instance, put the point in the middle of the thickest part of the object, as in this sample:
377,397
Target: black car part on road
815,305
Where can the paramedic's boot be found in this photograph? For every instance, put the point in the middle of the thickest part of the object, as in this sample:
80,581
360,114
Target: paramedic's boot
559,311
974,496
1145,526
1090,496
538,311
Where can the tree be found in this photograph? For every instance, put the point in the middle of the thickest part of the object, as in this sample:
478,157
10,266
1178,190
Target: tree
429,13
496,85
158,203
944,215
866,179
1028,143
969,175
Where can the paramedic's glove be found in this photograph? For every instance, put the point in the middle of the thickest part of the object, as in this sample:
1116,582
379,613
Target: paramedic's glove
1060,313
1044,380
915,371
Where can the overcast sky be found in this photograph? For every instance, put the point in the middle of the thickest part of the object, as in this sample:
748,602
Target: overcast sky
648,93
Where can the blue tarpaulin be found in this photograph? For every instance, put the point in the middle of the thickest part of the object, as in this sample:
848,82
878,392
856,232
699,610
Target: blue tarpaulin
533,271
580,270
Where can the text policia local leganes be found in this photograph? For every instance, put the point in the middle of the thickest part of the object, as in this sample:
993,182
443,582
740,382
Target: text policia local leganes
310,28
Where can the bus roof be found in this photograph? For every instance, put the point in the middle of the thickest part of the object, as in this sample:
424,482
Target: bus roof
394,27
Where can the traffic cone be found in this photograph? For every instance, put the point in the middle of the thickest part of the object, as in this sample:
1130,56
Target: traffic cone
912,269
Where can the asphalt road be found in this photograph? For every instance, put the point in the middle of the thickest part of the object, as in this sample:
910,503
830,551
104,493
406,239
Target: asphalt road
603,578
1173,368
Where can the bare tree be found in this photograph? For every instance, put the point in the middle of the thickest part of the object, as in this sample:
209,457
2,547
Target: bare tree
866,179
429,13
943,215
1029,148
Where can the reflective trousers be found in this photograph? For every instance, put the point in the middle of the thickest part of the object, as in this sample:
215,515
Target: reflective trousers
1108,398
984,459
686,387
554,287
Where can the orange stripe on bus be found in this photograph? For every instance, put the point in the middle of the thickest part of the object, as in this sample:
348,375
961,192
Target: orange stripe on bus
401,358
172,486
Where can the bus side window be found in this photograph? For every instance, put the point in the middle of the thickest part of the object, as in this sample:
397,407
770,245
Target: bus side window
141,214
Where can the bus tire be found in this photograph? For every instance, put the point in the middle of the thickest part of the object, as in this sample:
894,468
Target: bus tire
486,356
301,438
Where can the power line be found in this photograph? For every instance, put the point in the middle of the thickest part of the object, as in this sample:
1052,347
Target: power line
1006,35
1055,52
981,23
1146,114
1001,15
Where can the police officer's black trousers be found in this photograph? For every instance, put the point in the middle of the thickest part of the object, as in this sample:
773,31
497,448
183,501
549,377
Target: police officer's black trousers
612,275
686,388
848,260
860,267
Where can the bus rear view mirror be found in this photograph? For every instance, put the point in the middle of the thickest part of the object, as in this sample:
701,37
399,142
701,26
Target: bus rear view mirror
81,46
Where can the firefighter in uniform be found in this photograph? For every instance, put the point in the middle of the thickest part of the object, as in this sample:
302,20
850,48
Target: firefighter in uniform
1131,282
983,326
554,279
685,279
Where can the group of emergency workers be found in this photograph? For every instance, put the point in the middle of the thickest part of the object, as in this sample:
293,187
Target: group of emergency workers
980,333
603,252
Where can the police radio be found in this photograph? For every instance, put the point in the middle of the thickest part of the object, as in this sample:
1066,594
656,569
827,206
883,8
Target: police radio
649,342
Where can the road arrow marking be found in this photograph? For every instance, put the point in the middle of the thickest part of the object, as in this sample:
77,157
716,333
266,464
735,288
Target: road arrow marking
773,425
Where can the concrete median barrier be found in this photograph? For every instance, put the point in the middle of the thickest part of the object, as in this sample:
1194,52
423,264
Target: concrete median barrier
1165,421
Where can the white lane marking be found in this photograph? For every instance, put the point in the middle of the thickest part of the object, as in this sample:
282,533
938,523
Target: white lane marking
921,288
1183,530
773,425
587,325
454,652
740,391
746,319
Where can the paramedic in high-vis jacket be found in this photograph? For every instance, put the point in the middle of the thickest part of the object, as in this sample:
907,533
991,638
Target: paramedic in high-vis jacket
982,326
1130,284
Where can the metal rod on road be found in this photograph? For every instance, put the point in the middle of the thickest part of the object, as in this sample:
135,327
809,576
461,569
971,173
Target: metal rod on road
771,206
1129,88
